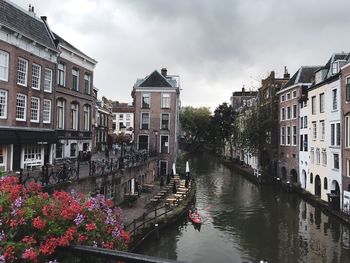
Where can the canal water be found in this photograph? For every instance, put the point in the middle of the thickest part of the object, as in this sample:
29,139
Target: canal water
245,222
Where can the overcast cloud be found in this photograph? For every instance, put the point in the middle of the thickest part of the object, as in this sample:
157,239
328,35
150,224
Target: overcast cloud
215,46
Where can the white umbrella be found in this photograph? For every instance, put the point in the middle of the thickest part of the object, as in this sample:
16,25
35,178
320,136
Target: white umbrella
187,167
174,169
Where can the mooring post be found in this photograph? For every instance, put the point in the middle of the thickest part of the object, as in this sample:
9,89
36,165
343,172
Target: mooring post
134,230
156,228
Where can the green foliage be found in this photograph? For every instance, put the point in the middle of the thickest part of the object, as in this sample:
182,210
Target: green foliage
195,123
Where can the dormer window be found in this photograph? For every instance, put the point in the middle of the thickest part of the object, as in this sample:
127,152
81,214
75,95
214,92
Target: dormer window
335,67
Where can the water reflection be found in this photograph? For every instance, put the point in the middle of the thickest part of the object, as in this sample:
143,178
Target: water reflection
246,222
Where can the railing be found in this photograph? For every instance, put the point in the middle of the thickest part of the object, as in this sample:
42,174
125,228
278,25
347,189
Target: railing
94,254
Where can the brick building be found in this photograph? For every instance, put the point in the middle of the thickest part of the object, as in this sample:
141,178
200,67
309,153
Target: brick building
157,104
28,59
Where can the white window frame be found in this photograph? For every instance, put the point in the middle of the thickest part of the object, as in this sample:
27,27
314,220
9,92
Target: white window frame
160,143
288,96
324,157
21,107
305,122
3,104
146,95
283,114
35,110
294,94
314,130
321,102
289,113
22,72
294,135
87,83
165,104
74,107
86,117
288,135
334,99
60,114
313,105
141,119
347,168
3,159
61,74
322,130
347,131
282,98
47,111
283,135
294,111
334,161
32,154
312,155
138,141
301,122
75,76
161,121
4,65
36,76
48,80
318,156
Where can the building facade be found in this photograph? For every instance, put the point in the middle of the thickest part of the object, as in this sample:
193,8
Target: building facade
291,102
123,118
28,59
156,120
74,101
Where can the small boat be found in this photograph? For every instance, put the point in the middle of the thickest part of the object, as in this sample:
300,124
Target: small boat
194,217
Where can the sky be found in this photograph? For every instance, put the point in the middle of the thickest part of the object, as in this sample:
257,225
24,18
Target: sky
216,46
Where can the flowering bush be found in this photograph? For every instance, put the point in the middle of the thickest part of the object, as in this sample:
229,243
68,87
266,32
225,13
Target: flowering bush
33,224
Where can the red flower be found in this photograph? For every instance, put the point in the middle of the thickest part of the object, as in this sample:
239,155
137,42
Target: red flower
1,209
29,240
49,246
90,227
30,254
82,238
38,223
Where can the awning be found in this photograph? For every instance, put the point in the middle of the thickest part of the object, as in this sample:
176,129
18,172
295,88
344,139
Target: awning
27,137
37,137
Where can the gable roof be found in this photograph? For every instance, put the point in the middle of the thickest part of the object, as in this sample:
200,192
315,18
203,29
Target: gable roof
28,25
154,80
305,74
70,46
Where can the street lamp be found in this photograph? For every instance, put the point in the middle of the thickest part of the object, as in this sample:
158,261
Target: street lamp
156,141
122,128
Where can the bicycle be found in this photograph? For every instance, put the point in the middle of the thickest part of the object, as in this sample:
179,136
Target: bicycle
67,172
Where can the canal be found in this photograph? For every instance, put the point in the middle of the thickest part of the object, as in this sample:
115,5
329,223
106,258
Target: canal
245,222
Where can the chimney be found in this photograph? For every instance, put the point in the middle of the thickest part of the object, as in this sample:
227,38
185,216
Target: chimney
164,72
30,8
286,75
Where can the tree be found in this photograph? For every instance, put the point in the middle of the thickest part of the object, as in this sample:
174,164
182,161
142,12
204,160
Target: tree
223,124
195,124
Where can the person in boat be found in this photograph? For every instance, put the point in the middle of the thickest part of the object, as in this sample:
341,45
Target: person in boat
192,209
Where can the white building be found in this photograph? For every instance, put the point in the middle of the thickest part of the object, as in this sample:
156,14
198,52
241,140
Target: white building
123,118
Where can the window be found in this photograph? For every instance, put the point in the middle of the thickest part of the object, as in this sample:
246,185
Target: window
335,68
73,150
75,79
60,114
145,101
334,99
288,96
322,130
294,111
305,121
2,156
283,114
121,116
3,104
314,130
305,142
348,167
143,142
288,135
22,72
86,117
59,150
313,105
311,178
312,153
324,157
35,109
318,159
61,74
322,102
347,85
47,111
294,142
48,80
21,106
347,131
74,116
283,135
36,74
164,144
325,183
165,121
163,168
335,134
165,100
301,122
144,120
282,98
336,161
128,116
4,65
87,83
294,94
288,113
32,153
301,143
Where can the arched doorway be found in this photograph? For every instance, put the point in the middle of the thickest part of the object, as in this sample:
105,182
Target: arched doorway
334,196
304,179
317,186
284,174
294,176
